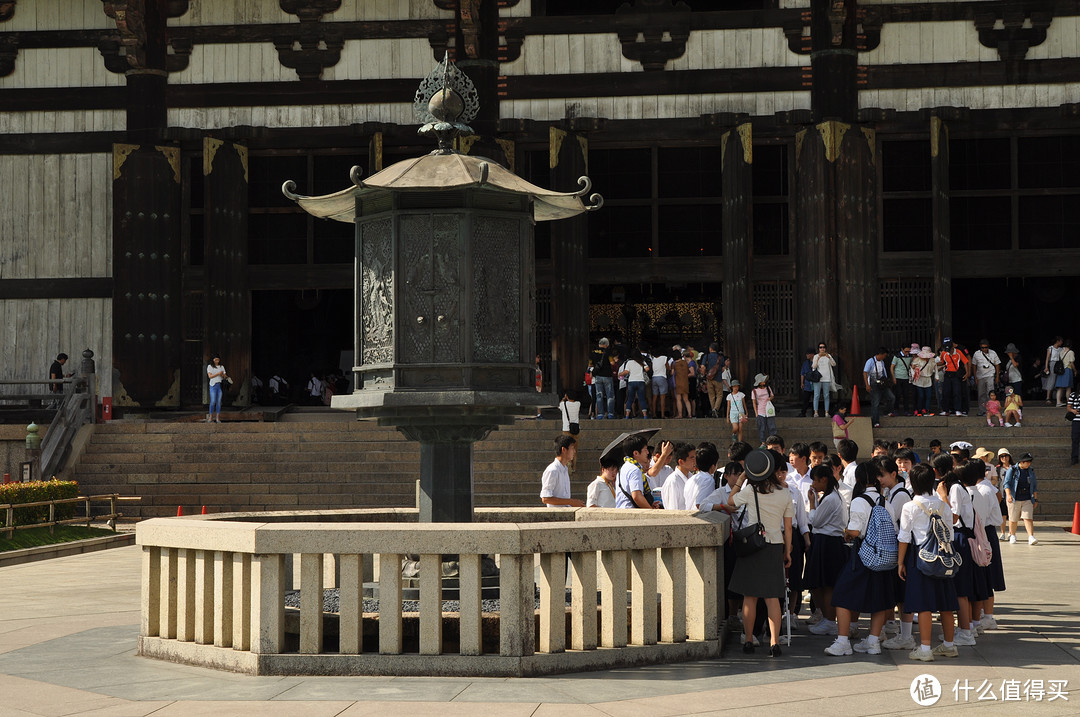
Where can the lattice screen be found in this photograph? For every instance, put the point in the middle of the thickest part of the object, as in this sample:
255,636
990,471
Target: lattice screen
774,334
907,309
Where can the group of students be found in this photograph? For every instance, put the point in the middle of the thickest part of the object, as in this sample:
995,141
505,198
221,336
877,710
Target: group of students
815,511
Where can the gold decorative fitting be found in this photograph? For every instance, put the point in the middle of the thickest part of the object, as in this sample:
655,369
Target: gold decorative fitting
508,149
210,149
376,149
242,153
555,140
583,142
799,137
871,142
465,144
746,135
723,147
936,129
120,155
832,134
172,154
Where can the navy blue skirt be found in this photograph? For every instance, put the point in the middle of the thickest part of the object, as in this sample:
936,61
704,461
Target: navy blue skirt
924,594
798,558
997,570
971,580
828,556
860,589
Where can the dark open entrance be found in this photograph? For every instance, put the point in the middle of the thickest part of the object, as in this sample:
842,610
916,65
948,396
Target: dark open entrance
297,332
1028,312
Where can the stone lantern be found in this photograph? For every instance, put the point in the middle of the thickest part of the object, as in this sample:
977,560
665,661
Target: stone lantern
445,293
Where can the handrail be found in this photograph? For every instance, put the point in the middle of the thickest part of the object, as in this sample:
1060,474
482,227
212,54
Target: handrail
76,410
10,508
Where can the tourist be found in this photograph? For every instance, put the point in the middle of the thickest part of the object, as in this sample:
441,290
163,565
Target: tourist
1064,381
216,373
1053,356
806,386
987,371
736,410
824,364
601,492
993,409
997,477
900,371
570,408
877,385
956,365
764,411
840,425
1014,408
603,384
56,373
683,375
922,379
1014,375
761,574
1074,411
660,363
711,365
555,481
1021,497
633,371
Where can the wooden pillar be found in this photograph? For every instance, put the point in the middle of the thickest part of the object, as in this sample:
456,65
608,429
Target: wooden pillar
146,275
227,301
939,174
836,267
834,60
736,159
568,159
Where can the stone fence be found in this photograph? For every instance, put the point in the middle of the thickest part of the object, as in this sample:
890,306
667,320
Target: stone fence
214,588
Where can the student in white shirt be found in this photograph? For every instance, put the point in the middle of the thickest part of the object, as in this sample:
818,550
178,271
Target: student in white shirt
828,551
701,484
896,496
987,502
555,482
601,492
685,464
951,489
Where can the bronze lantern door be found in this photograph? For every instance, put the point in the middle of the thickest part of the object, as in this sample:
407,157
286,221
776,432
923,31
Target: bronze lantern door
431,255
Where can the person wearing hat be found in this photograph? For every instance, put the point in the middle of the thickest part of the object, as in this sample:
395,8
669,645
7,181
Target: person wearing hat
761,399
1021,497
987,371
900,369
997,477
761,575
805,383
1013,374
922,379
1014,408
956,366
736,410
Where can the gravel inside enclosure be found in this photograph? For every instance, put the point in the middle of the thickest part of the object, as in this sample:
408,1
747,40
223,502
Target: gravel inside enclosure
332,599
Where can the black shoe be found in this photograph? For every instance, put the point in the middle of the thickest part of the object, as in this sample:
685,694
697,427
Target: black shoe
774,651
748,647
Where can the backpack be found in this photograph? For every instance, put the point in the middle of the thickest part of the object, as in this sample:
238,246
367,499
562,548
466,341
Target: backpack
980,546
935,557
879,549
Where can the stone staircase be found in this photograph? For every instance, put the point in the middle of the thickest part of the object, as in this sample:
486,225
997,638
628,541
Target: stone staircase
327,460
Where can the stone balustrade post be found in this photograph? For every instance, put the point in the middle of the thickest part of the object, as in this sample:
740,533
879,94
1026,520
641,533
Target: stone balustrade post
268,604
351,604
583,601
613,598
311,603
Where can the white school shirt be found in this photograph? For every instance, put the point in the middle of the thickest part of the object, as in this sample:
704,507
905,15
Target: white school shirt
987,502
848,476
801,521
829,517
801,484
960,504
897,498
697,488
672,491
570,412
859,512
600,494
555,483
657,482
915,523
717,497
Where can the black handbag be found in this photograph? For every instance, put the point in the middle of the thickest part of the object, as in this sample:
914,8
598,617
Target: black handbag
814,376
1059,368
750,539
575,428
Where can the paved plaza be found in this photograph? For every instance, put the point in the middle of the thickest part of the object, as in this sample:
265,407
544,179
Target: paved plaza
68,631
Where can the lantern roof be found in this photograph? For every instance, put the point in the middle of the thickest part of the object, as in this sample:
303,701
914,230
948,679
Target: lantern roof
444,171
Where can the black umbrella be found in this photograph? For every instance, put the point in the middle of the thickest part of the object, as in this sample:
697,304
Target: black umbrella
616,445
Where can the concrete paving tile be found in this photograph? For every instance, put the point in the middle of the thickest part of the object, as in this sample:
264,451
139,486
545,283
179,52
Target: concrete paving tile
199,689
234,708
439,709
565,710
380,688
515,690
125,708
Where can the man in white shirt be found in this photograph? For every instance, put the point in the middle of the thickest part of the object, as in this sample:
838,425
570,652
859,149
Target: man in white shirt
555,482
701,484
601,492
685,464
798,477
987,369
659,384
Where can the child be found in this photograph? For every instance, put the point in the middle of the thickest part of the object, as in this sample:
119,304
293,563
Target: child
935,450
828,553
1014,406
736,410
924,595
840,426
590,389
1004,462
993,408
952,489
988,505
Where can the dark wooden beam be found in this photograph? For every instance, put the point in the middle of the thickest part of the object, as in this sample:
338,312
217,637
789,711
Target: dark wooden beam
271,277
96,288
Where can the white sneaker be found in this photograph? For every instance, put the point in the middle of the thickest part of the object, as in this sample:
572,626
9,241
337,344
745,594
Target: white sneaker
1012,539
1008,425
942,651
964,638
892,627
921,655
988,622
865,646
838,649
815,618
824,627
1032,540
900,643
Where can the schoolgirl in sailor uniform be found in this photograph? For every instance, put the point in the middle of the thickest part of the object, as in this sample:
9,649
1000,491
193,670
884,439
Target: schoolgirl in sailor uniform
924,595
986,500
897,495
828,552
951,489
971,473
858,588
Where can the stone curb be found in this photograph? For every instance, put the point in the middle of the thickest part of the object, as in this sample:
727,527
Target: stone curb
60,550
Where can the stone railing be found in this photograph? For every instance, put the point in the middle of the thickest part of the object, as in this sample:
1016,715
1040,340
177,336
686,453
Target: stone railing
214,591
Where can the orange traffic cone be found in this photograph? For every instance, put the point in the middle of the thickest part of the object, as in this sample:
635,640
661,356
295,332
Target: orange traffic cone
856,409
204,510
1076,520
179,511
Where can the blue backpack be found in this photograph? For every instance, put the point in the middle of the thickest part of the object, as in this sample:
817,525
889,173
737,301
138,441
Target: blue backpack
935,557
879,550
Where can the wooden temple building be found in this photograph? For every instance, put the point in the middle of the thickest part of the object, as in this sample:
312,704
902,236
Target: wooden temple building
776,173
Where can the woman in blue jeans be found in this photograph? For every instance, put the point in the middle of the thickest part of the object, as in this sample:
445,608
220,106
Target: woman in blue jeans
633,370
216,373
824,364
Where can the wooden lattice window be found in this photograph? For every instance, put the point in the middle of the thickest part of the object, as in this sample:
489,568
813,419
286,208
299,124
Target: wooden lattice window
907,310
774,334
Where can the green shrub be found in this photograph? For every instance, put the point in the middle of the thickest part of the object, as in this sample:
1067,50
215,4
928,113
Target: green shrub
15,493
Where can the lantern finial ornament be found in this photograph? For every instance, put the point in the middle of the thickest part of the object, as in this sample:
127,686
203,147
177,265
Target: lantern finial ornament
445,103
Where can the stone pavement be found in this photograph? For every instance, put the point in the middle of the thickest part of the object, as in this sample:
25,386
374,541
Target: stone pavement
68,630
